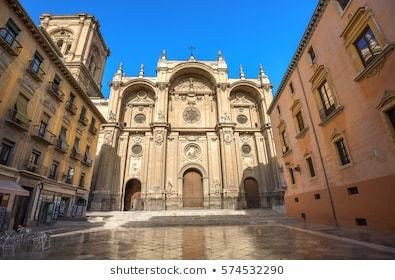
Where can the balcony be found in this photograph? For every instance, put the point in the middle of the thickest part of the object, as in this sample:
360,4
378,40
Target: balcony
93,130
87,161
9,43
69,179
55,91
43,135
327,114
61,146
71,108
53,176
83,120
18,120
35,71
75,154
33,167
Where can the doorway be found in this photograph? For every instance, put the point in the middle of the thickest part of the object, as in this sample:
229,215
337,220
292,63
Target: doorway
132,200
192,189
252,193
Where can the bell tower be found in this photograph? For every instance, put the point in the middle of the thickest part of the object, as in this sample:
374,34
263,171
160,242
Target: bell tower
80,43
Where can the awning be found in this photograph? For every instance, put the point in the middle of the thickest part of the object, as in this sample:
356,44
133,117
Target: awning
10,187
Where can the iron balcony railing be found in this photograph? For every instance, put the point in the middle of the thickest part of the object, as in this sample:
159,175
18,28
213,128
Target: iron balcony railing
55,91
87,161
75,154
8,40
93,130
83,120
33,167
41,133
61,146
326,112
35,71
53,176
18,119
71,107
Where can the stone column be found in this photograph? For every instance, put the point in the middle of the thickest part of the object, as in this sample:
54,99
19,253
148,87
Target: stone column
155,199
229,165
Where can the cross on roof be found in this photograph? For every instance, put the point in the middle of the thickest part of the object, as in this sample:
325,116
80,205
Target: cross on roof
192,48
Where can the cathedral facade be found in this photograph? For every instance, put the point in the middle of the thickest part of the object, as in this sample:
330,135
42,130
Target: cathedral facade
190,137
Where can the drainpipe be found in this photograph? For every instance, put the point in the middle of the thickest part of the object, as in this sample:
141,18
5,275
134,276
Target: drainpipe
318,147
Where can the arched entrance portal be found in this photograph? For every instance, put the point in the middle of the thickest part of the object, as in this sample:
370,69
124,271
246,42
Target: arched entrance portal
192,189
132,200
252,193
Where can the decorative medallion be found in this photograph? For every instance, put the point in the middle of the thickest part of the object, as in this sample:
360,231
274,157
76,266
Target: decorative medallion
246,149
138,139
137,150
158,137
242,119
228,136
139,118
191,115
192,151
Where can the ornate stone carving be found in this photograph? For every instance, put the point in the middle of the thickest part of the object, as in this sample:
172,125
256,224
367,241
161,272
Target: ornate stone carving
191,115
192,151
138,139
225,117
242,119
107,137
228,136
137,150
192,85
158,137
246,149
161,116
139,118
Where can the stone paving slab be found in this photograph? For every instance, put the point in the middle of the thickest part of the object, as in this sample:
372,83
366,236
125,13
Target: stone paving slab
251,235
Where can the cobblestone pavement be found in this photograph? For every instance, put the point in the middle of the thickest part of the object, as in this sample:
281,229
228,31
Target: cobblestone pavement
274,238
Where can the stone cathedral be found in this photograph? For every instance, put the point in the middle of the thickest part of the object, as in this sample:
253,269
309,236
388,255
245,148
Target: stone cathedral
190,137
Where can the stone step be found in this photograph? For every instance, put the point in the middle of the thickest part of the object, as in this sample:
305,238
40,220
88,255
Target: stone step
185,217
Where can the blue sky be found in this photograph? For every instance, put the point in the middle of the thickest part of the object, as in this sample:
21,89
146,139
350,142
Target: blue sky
248,32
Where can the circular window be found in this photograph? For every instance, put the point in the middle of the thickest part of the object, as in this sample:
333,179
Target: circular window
242,119
139,118
137,149
246,149
191,115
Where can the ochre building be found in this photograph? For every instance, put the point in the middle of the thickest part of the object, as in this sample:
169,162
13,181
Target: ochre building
190,137
49,126
333,117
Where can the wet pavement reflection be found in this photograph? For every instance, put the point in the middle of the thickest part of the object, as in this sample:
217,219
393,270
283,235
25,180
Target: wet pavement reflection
268,241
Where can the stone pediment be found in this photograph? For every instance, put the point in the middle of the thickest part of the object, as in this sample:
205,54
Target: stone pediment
141,98
240,99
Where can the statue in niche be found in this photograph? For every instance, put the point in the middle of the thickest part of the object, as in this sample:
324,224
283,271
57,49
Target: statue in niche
225,117
161,116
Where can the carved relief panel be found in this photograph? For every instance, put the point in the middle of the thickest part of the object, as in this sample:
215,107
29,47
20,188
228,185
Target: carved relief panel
244,110
192,102
138,109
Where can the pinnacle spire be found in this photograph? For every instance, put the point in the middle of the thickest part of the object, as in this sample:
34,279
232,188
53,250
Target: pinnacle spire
242,75
164,55
141,73
219,56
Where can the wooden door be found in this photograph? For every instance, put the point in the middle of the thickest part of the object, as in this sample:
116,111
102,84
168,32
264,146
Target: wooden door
192,189
132,195
252,193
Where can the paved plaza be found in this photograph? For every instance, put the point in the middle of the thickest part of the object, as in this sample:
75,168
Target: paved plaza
194,235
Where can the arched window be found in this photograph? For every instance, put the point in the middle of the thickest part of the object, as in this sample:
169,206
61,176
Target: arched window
60,44
64,40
